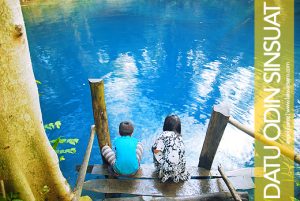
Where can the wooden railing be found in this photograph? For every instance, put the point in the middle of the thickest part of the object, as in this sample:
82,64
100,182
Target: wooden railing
216,127
83,168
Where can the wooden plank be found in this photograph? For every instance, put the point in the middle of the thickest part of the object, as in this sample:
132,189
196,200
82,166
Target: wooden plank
221,196
217,124
153,187
148,171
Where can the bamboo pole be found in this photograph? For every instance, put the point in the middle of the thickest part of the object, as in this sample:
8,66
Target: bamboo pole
2,189
83,168
242,127
99,111
283,149
214,133
232,190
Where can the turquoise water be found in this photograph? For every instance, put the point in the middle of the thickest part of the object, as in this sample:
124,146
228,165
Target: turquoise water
157,58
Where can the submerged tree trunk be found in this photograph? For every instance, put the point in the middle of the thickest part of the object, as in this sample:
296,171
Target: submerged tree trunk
28,164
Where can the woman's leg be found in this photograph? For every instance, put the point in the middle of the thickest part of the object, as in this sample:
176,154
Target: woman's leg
109,155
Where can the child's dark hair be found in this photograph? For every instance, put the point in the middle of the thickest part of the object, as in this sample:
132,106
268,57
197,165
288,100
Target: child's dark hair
126,128
172,123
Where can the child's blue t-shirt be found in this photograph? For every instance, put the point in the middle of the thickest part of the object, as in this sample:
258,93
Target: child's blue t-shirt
126,159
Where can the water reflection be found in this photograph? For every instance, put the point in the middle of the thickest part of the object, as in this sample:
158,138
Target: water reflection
123,85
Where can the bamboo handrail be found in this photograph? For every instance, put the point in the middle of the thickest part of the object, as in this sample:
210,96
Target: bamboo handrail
283,149
2,189
242,127
232,190
82,171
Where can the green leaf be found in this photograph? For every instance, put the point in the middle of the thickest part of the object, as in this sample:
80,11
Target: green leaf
67,151
14,195
73,141
62,158
55,143
62,141
47,127
38,82
58,124
51,126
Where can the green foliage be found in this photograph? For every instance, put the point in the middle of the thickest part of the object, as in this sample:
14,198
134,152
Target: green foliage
297,184
11,197
71,141
62,158
56,142
67,151
52,126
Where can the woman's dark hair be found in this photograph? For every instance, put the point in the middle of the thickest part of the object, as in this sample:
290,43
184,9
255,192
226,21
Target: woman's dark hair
172,123
126,128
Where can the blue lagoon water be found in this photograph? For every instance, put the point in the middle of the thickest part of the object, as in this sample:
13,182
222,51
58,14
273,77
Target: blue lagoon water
156,58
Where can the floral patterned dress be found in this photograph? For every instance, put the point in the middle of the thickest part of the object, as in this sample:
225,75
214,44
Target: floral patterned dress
169,159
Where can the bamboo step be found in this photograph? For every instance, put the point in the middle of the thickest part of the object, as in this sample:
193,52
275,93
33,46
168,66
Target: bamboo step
148,171
153,187
223,196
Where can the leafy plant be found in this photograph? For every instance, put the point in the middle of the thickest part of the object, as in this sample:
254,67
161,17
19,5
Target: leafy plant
55,142
52,126
11,197
72,141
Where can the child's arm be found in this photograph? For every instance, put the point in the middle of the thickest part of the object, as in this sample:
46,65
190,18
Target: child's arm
139,151
109,154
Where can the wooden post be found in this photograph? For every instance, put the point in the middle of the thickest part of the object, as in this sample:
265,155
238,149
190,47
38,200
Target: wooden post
217,124
232,190
99,110
100,115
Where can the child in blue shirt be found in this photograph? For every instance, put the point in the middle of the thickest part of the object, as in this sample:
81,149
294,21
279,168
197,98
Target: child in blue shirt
128,151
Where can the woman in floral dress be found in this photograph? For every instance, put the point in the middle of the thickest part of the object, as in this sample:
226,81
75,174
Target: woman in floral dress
169,153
